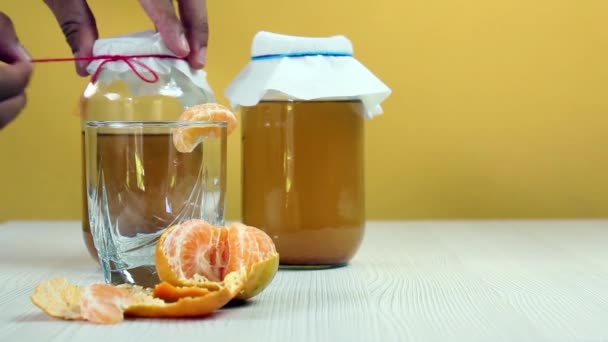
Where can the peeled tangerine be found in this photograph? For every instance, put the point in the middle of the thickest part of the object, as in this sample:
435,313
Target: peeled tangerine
196,252
202,267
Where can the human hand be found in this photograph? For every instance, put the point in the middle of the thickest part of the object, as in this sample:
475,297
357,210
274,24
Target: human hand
187,37
14,74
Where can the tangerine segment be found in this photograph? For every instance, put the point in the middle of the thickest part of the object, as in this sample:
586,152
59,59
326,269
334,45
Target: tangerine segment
103,303
248,246
185,139
59,299
192,252
252,248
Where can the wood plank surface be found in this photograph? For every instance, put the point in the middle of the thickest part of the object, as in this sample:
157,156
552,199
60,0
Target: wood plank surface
410,281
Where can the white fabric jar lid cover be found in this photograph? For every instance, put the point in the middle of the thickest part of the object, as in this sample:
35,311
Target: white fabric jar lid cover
306,68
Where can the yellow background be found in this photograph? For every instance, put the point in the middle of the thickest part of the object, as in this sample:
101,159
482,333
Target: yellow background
499,108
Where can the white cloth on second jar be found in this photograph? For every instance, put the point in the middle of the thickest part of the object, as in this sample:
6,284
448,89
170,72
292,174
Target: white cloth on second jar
306,77
147,43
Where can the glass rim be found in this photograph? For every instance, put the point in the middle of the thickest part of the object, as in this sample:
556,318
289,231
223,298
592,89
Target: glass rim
153,123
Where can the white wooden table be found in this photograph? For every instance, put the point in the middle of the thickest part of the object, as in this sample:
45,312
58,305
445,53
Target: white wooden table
410,281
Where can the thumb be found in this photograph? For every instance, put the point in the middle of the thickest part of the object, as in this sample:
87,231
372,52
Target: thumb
78,26
10,49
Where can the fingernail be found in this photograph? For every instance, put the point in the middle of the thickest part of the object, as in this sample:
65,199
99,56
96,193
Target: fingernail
81,65
202,55
23,54
183,43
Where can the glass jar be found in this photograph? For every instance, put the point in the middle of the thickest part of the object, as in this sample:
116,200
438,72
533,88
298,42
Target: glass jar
140,89
303,103
303,178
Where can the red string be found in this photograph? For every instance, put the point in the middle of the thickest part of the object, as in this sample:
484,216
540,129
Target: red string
131,60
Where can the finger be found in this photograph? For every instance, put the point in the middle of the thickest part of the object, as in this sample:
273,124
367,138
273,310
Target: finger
9,109
13,79
196,24
79,28
10,49
162,14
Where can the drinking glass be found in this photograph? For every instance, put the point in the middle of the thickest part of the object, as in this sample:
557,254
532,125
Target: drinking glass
139,184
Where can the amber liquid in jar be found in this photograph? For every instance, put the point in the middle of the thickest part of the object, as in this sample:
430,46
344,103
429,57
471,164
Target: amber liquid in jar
303,179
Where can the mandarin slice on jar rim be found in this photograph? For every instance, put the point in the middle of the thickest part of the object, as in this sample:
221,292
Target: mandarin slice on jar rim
185,139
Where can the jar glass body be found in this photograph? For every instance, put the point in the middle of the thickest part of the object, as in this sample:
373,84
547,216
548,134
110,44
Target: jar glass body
303,178
129,98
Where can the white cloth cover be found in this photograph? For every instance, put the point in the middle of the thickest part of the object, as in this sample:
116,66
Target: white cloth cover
144,43
327,71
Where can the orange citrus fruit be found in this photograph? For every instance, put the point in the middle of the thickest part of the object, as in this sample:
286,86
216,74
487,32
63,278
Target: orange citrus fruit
202,267
196,252
185,139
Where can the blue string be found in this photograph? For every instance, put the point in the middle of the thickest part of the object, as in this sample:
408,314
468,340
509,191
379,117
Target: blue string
302,54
